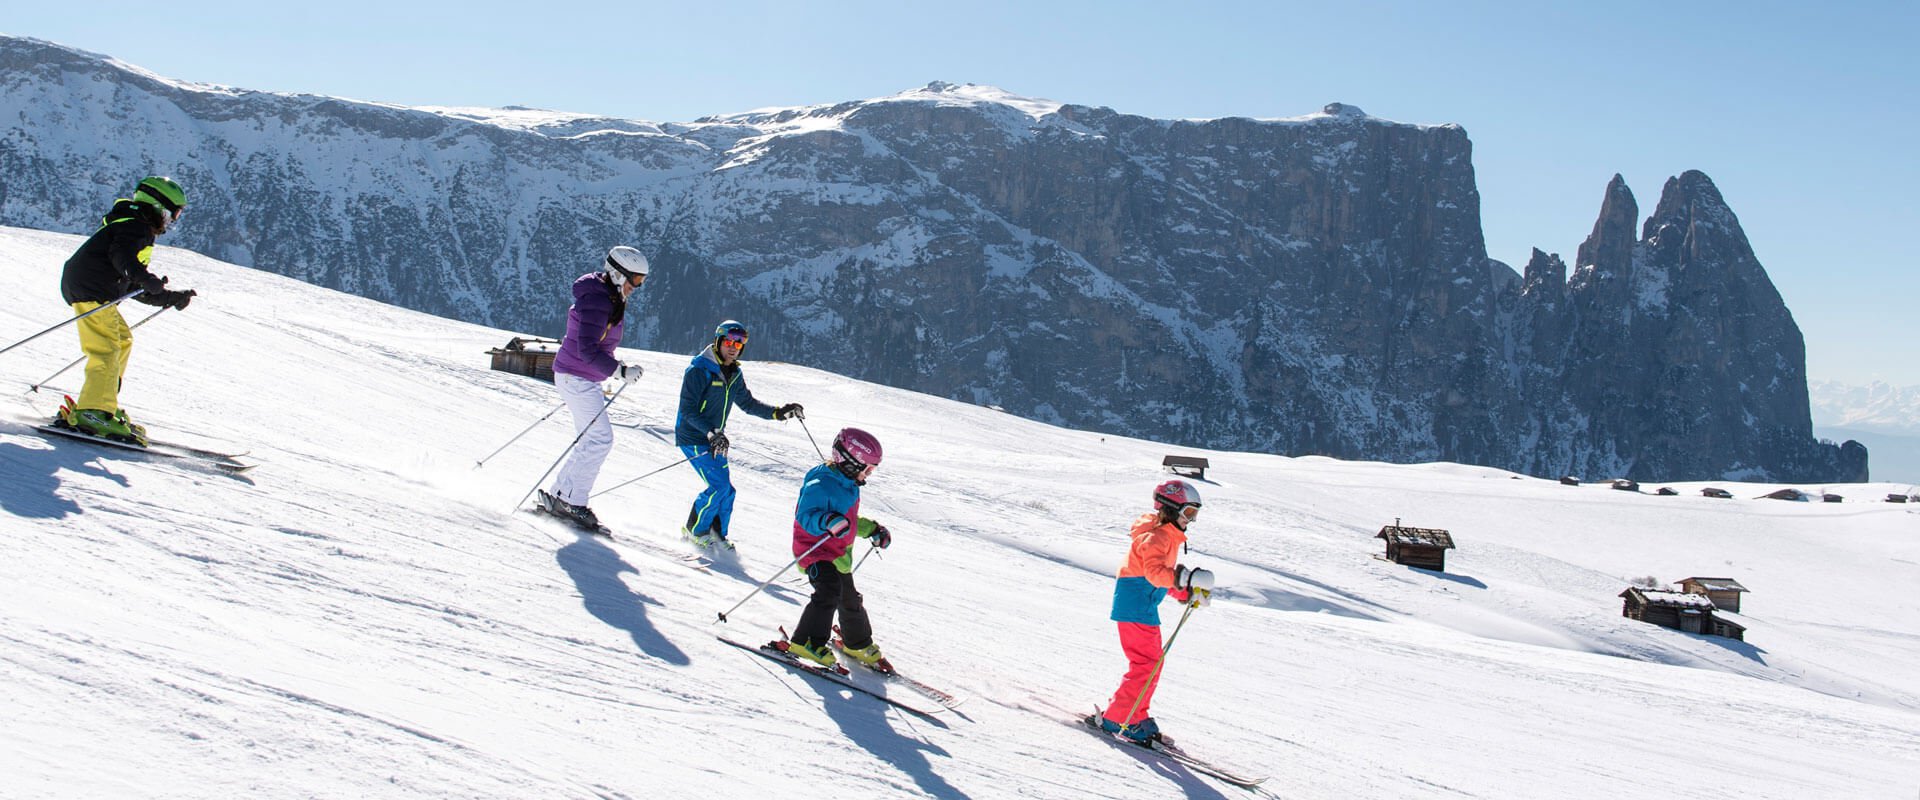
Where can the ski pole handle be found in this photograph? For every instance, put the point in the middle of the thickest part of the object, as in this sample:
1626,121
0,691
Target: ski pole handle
76,318
76,362
763,584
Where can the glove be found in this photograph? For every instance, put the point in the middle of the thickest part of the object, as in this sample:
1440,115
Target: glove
181,299
837,525
1191,580
154,285
880,537
628,372
790,410
718,441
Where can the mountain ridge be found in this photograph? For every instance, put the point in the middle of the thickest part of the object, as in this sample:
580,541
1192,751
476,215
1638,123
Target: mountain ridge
1315,284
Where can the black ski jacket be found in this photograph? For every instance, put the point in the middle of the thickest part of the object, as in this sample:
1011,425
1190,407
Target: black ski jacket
114,260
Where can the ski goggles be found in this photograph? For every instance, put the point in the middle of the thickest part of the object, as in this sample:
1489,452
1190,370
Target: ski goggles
1190,512
734,337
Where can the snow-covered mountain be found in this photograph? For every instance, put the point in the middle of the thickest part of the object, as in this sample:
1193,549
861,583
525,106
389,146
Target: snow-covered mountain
1883,417
364,616
1877,406
1308,285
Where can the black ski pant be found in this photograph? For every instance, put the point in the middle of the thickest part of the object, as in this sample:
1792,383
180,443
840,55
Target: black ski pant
833,591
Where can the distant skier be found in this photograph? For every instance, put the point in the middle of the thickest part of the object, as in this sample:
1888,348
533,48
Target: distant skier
111,263
1152,573
713,384
830,506
595,323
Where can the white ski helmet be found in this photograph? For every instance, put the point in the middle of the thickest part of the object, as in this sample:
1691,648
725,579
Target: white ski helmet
625,265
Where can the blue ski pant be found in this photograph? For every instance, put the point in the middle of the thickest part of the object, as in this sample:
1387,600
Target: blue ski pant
714,507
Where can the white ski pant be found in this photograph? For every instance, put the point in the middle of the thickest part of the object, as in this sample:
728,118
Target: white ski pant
574,484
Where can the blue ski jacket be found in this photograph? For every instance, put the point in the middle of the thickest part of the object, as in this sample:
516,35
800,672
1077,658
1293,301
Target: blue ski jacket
707,392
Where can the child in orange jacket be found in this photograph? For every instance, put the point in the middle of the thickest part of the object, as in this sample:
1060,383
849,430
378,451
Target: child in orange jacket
1152,572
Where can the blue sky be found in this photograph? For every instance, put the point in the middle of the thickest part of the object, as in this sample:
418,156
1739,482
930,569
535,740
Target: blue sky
1804,116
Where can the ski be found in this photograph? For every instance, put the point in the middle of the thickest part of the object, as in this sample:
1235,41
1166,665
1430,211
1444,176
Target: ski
1174,753
885,668
767,651
228,462
601,531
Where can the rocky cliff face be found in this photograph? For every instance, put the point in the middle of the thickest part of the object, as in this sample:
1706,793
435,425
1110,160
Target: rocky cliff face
1309,285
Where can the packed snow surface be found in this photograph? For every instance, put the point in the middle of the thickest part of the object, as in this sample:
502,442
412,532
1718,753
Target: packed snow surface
364,614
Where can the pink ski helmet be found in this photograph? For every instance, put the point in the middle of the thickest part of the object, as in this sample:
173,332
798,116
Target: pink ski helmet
856,453
1175,497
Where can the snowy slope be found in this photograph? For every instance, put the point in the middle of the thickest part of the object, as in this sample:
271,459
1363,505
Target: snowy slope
363,616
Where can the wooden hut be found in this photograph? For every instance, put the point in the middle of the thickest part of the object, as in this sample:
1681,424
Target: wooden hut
1714,491
1626,484
1666,491
1569,480
526,356
1190,466
1425,548
1724,592
1896,498
1829,497
1688,613
1788,493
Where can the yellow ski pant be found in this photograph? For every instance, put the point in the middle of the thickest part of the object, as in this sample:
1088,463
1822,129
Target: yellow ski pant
107,341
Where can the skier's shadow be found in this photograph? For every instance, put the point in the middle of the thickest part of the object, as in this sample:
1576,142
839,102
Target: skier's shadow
730,566
595,569
1191,783
31,480
866,723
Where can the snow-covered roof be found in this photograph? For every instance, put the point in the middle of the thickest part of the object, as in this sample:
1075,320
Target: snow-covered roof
1663,597
1716,584
1425,537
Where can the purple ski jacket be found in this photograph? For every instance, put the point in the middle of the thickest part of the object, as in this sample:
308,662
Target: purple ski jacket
594,325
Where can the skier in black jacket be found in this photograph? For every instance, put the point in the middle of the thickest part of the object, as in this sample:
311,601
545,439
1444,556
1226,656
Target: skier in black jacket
113,262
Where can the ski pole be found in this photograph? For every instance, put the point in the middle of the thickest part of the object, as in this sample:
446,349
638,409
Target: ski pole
76,318
650,474
1155,675
536,423
576,440
76,362
763,584
816,444
863,558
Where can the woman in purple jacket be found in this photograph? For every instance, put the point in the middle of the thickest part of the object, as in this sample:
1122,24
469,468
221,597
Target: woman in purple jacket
594,325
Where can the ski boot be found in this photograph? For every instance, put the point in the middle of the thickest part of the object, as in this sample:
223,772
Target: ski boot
821,656
580,516
707,540
138,429
1144,733
96,422
868,656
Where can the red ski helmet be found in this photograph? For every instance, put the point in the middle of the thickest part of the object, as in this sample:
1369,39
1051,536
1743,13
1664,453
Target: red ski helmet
1175,497
855,453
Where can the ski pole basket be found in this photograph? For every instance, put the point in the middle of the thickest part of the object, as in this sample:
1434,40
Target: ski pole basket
527,356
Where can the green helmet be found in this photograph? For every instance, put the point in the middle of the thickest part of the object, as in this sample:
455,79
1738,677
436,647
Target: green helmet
161,193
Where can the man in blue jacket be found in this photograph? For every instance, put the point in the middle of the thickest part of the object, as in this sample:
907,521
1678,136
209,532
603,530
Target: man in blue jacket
713,385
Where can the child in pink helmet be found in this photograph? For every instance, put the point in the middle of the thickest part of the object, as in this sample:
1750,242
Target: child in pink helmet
1152,573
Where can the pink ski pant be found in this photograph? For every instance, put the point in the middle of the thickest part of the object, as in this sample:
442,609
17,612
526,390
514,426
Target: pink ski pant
1141,643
